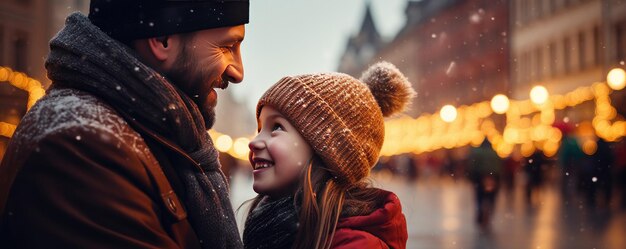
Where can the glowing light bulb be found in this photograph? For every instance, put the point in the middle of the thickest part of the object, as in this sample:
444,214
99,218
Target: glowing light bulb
616,78
448,113
500,103
539,95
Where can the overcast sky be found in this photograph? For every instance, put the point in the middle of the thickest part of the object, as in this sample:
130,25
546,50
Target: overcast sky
287,37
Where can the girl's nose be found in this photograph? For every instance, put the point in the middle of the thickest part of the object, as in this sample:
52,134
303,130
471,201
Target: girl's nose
256,144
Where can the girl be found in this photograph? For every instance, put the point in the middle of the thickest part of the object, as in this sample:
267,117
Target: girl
319,136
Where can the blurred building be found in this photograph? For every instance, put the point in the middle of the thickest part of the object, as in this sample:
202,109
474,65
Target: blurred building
26,26
362,47
233,118
565,44
453,51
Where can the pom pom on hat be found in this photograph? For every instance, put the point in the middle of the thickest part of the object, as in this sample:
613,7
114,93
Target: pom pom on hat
390,87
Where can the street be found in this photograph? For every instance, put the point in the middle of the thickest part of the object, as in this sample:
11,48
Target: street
440,214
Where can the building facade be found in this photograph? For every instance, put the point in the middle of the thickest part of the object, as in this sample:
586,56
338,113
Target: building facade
453,51
26,26
566,44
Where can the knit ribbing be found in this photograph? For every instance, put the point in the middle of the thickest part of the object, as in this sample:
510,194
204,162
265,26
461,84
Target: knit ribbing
338,117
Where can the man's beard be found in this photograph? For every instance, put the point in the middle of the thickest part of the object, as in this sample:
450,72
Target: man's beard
187,72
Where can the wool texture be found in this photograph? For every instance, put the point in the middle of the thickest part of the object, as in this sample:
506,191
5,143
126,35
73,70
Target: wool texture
342,118
135,19
273,224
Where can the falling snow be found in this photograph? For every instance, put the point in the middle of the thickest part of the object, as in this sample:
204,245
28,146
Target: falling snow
66,109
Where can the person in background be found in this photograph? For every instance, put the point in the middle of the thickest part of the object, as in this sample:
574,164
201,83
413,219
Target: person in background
484,171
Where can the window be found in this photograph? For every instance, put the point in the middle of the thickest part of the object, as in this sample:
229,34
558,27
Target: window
551,5
597,44
524,11
519,73
553,59
1,45
20,53
567,56
526,67
538,65
538,9
621,41
582,50
558,4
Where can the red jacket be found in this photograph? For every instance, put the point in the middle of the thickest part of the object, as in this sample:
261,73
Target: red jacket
384,228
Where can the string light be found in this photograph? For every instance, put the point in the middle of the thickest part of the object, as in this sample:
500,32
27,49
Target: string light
529,133
223,143
22,81
453,127
616,78
500,104
539,95
6,129
240,148
448,113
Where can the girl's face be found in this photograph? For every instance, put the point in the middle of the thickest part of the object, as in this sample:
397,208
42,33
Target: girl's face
277,154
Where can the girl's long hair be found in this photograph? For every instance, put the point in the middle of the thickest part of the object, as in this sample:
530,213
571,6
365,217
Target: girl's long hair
322,201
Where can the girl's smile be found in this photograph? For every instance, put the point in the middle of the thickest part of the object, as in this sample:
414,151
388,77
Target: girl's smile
278,155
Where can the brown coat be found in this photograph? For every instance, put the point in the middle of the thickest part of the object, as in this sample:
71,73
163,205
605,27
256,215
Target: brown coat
76,175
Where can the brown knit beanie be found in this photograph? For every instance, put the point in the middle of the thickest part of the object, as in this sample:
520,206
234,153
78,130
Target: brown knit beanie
340,116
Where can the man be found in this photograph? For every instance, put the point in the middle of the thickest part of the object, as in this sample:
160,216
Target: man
116,155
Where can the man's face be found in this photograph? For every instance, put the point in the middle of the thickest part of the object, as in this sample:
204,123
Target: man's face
208,59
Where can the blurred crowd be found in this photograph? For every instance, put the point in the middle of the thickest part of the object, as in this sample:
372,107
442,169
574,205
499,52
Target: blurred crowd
596,180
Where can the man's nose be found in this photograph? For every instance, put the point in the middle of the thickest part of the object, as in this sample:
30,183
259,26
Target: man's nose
234,71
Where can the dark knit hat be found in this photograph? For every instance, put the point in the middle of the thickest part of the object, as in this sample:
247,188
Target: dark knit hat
340,116
134,19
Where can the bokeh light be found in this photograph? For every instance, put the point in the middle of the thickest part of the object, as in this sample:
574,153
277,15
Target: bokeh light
241,148
539,95
500,104
448,113
616,78
590,147
223,143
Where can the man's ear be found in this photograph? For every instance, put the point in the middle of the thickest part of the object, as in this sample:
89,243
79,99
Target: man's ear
160,48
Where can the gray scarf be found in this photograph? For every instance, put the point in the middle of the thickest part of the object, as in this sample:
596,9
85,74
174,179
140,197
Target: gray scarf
273,224
85,58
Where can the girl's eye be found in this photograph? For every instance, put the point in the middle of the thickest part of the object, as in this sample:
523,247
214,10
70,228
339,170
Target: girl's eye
278,127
